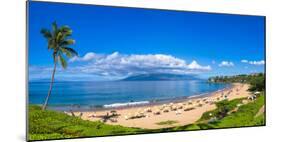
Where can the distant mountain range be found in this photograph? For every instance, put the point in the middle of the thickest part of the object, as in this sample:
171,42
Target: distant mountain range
160,76
139,77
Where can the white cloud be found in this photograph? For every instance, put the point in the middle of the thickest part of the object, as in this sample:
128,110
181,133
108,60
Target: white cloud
257,62
244,61
226,64
116,65
122,64
195,65
261,62
87,57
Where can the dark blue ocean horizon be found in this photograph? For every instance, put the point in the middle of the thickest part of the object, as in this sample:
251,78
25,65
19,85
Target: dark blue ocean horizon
106,93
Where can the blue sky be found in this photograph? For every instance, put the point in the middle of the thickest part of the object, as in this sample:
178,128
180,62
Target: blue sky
117,42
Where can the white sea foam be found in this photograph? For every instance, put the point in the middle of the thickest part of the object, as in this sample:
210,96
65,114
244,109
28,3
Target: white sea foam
194,96
125,104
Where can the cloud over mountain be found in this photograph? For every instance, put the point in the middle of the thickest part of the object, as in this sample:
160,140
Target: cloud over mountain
122,64
118,65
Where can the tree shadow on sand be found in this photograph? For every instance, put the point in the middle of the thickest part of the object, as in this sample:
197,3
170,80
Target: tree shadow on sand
112,117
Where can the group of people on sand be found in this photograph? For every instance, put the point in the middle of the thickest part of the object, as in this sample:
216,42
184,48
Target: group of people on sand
177,108
184,112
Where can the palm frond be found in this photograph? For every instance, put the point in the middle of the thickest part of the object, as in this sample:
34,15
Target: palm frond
59,37
54,26
67,42
46,33
55,31
69,52
62,61
51,43
59,41
66,31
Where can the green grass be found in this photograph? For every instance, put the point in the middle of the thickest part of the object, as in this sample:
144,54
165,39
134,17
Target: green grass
169,122
245,116
222,105
48,124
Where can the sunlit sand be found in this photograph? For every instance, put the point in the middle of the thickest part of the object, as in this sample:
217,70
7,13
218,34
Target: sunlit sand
183,113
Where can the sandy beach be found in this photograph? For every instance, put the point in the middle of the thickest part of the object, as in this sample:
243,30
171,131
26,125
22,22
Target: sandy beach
183,113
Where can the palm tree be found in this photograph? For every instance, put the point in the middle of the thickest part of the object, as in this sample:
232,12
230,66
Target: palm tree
58,42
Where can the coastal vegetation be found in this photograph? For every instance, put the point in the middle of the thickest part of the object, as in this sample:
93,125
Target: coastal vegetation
55,125
58,41
245,115
239,112
238,116
233,113
140,71
168,122
50,124
257,80
160,77
223,108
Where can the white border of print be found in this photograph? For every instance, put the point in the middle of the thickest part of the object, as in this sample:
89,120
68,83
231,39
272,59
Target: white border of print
13,57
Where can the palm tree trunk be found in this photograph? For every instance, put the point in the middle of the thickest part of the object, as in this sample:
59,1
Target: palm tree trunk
51,85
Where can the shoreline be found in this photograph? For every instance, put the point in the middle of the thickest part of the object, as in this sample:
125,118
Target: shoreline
183,113
150,103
